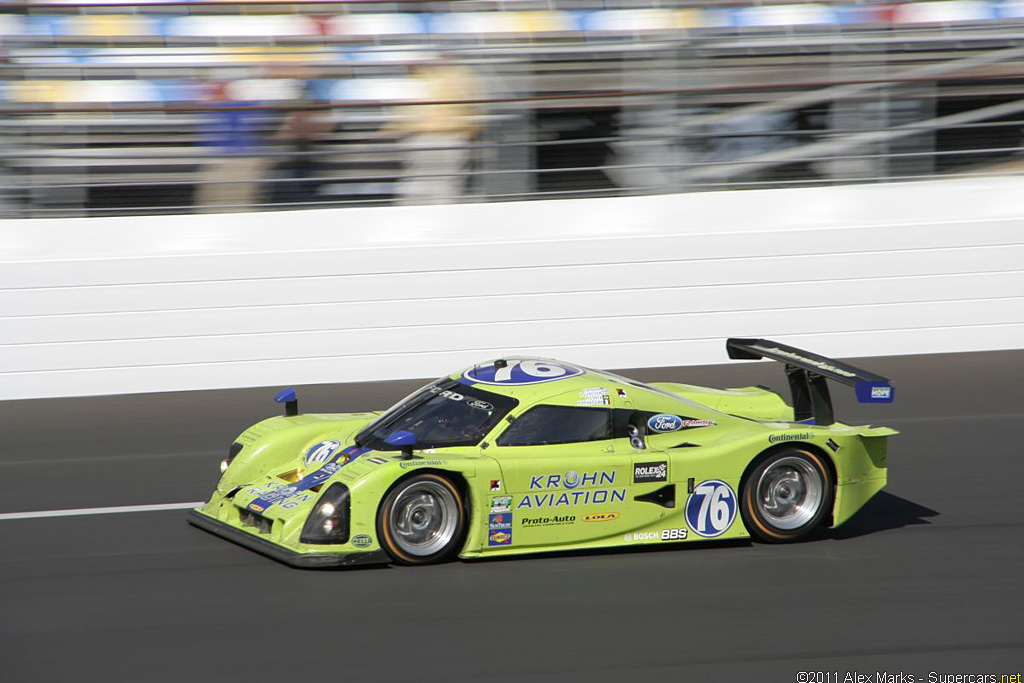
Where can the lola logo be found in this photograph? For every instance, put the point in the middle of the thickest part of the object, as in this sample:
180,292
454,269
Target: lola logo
601,517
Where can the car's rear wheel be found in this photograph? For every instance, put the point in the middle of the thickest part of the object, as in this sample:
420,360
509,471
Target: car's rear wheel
422,520
787,495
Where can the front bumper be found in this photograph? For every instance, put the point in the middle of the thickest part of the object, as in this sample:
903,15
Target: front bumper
274,551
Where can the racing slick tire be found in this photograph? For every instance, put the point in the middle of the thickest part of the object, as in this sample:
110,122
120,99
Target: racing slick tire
787,495
422,520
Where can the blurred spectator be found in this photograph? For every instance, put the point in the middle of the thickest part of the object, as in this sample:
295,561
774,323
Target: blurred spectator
230,180
10,140
436,136
302,128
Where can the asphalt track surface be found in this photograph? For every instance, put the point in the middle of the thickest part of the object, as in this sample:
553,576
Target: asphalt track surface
927,578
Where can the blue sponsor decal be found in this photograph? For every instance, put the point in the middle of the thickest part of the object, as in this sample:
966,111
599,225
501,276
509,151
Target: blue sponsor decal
875,392
362,541
500,521
711,508
499,537
338,460
320,453
520,371
665,423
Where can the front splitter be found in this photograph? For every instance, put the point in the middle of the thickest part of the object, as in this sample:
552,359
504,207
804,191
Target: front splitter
276,552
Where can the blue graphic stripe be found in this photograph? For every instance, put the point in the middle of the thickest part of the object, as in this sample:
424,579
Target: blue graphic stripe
340,459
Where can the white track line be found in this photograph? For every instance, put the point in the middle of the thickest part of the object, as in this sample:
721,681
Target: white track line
98,511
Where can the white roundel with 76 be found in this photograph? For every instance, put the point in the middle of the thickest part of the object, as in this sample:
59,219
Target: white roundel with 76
711,508
519,371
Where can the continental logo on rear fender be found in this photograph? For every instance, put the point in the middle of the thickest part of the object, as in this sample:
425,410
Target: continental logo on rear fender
601,517
779,438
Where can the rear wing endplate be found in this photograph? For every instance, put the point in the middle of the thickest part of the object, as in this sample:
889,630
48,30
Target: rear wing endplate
807,373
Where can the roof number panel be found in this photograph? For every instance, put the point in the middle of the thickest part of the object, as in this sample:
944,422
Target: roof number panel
519,372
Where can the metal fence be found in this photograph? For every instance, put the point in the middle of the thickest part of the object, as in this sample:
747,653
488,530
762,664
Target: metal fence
541,104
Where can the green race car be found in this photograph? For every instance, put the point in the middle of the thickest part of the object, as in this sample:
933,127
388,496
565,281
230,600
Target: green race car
526,455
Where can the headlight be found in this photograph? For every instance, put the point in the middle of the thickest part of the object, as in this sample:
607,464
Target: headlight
235,449
328,521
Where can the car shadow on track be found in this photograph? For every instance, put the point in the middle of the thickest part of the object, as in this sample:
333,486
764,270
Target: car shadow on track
882,513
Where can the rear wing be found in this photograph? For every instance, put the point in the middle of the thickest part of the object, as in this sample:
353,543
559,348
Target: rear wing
807,373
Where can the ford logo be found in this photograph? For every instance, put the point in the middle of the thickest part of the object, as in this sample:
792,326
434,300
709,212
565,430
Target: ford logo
665,423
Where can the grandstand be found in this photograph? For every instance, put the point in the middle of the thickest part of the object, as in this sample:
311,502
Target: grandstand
107,105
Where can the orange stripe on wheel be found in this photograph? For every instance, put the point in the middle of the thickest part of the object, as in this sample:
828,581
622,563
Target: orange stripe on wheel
757,520
389,541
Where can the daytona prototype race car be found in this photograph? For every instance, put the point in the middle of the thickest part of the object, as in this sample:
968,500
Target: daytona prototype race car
526,455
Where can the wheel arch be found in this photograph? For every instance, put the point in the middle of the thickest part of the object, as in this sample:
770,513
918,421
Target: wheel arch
456,477
458,480
812,448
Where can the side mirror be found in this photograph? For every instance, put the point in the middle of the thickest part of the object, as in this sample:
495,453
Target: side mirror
404,440
290,400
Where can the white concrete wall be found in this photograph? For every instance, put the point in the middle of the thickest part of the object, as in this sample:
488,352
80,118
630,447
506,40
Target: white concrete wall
122,305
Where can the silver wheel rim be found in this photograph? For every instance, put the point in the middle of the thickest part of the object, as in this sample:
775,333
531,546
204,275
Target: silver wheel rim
424,518
789,493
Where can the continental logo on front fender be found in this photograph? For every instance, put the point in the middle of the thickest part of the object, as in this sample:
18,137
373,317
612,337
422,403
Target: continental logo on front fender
420,463
601,517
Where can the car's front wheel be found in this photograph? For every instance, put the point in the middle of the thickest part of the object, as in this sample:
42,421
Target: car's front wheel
787,495
422,520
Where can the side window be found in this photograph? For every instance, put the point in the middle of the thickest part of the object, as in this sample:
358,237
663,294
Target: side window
546,425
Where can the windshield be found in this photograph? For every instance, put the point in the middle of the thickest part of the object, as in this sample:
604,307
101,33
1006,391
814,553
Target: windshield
444,413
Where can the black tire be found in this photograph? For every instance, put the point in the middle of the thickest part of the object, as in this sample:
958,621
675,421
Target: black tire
422,520
787,495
